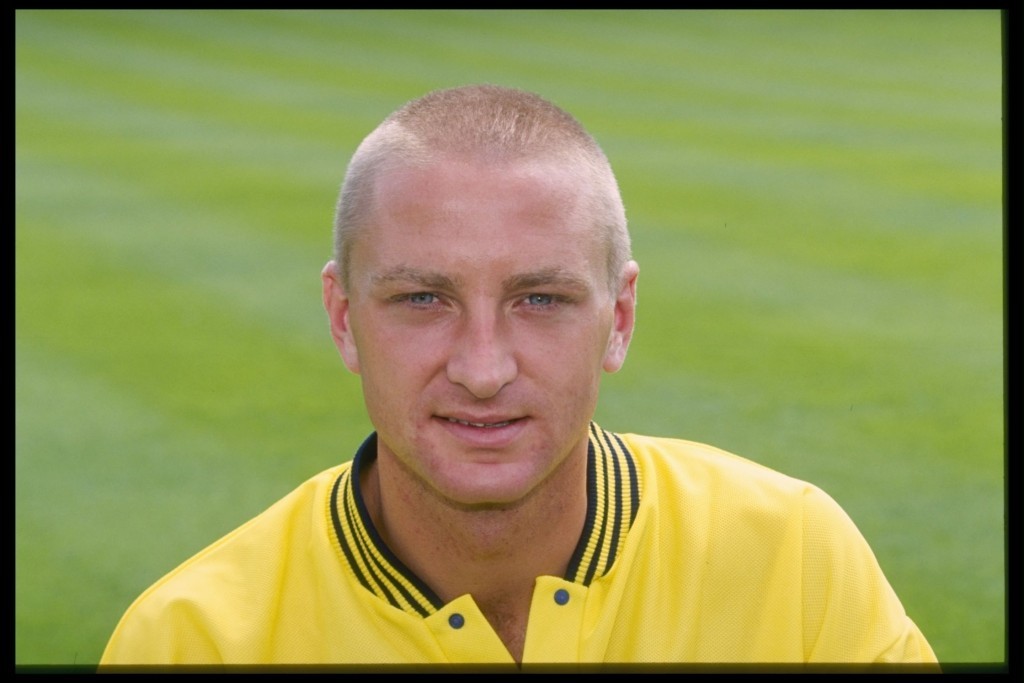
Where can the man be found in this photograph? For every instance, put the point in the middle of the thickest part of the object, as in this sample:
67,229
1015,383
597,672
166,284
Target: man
481,285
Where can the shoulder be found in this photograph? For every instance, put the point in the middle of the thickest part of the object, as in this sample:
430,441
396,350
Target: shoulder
299,513
235,579
700,484
772,547
667,462
736,505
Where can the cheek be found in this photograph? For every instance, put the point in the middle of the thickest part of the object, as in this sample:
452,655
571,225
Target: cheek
389,395
572,366
394,364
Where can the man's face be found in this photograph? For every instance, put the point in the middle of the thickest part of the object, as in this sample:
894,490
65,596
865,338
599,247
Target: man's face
479,317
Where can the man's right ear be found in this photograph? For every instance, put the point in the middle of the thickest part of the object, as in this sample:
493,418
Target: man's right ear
336,303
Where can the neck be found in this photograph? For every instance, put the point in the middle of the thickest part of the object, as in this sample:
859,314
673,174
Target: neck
494,554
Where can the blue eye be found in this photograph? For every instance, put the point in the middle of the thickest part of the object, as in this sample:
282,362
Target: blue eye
422,298
540,299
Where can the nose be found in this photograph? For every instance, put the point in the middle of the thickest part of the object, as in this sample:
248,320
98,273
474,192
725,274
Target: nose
482,359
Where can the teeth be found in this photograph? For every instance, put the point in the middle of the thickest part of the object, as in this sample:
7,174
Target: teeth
480,424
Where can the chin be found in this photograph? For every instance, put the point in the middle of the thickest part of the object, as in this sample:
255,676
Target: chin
498,487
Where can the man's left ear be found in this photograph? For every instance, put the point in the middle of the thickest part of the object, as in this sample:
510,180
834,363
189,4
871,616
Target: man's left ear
625,318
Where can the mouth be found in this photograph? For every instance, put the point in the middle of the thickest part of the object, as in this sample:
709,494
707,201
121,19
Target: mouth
493,432
482,425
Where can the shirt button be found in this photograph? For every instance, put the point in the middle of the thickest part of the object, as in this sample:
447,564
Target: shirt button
456,621
561,596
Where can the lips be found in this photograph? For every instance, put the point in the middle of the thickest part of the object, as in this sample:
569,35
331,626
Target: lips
484,425
483,432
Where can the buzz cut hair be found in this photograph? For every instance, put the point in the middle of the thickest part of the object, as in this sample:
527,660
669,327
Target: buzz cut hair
486,124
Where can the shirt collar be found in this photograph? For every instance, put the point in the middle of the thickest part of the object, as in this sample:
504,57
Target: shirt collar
613,497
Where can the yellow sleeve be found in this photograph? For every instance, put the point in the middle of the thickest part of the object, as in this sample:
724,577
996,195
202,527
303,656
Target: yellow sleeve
851,613
152,633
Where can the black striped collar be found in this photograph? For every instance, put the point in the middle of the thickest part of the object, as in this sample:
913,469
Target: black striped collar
613,497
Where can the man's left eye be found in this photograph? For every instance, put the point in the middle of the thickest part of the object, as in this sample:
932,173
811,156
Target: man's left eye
540,299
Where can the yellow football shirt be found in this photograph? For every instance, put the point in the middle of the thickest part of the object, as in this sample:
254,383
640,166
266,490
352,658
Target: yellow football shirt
689,555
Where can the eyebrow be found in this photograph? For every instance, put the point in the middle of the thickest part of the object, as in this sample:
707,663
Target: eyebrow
544,277
420,278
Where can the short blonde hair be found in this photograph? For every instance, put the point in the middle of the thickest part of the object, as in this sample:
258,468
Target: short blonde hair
485,123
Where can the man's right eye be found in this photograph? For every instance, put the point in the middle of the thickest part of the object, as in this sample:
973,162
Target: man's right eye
421,298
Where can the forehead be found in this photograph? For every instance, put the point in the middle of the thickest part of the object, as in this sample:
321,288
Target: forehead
467,216
457,188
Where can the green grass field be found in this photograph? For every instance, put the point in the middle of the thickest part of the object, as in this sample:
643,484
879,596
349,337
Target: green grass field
816,205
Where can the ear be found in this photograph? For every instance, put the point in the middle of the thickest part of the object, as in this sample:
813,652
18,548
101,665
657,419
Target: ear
336,303
625,316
